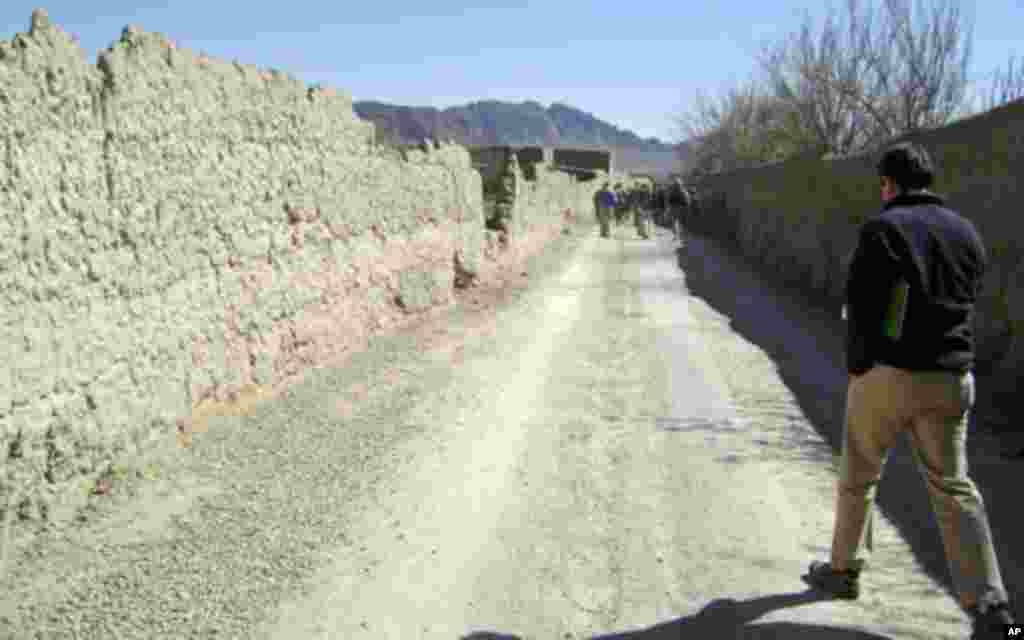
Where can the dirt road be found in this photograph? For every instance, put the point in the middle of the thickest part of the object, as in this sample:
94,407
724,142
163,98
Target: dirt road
603,456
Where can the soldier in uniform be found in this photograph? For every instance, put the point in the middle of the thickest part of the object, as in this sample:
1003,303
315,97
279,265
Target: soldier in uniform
679,206
694,204
657,204
621,204
642,211
604,207
630,198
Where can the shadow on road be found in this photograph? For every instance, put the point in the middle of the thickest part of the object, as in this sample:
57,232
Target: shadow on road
806,345
728,618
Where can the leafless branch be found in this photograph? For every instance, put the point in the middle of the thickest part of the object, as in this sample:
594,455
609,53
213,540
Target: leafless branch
1007,84
874,72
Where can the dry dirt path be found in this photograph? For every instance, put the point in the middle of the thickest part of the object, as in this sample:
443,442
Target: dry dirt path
600,457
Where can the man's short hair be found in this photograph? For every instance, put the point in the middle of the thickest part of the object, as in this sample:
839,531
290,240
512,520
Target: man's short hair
908,165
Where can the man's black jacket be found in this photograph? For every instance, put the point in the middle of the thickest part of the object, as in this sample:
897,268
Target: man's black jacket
942,257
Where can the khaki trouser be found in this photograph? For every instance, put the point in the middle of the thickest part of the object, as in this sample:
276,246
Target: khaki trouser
933,408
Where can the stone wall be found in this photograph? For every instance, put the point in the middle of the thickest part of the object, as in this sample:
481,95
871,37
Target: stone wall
799,220
175,229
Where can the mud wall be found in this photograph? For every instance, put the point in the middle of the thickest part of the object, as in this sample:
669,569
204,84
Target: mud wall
175,229
799,220
549,200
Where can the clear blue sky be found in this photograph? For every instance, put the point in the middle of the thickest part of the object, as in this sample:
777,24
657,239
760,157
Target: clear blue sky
634,64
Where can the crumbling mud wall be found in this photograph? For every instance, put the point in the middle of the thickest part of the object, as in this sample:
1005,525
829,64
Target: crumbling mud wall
527,206
175,229
799,220
547,206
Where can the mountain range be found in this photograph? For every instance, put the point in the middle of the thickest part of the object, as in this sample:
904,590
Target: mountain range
493,122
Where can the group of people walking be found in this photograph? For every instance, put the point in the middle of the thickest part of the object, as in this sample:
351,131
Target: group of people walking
668,206
912,285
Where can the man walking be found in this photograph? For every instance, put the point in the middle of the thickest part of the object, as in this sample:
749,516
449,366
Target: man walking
693,208
621,204
641,211
604,206
679,206
658,204
913,281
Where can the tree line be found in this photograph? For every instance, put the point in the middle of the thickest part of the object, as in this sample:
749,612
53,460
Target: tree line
869,71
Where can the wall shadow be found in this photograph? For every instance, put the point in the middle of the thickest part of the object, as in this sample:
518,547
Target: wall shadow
728,618
806,345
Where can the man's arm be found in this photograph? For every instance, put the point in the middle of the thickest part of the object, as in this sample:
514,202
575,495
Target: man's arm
873,272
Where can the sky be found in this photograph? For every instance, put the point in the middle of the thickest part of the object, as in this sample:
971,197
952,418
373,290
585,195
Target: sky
636,64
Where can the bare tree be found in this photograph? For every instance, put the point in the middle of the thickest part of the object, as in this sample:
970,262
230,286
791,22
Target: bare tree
876,70
922,62
871,72
731,130
821,76
1007,84
702,129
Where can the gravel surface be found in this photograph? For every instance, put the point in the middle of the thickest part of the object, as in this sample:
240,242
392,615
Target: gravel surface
606,448
232,525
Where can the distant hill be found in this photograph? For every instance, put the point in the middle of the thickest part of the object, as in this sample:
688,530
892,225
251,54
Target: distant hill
492,122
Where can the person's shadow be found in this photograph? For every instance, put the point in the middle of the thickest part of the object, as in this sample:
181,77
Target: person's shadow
727,618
